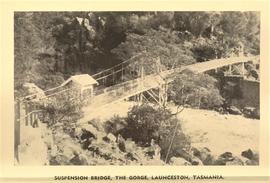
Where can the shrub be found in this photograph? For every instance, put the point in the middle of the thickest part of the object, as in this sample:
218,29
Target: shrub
64,108
145,123
196,90
115,125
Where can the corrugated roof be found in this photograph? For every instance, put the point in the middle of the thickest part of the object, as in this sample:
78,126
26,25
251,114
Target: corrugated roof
82,79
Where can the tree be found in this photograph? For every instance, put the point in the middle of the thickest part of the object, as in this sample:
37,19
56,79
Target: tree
25,46
64,108
145,123
51,46
160,45
217,34
196,22
196,90
241,27
33,50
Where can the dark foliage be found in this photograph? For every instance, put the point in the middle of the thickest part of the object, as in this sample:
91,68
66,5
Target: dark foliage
145,123
51,46
196,90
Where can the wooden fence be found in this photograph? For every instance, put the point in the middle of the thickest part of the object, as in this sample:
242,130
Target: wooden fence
26,114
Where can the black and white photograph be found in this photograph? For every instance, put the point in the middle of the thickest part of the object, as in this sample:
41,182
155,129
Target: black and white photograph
136,88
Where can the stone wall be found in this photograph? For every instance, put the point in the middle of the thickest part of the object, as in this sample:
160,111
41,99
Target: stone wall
250,94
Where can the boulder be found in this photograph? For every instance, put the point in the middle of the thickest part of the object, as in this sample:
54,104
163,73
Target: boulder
252,162
251,112
206,156
179,161
130,145
256,114
105,150
227,155
183,154
256,156
121,143
234,162
153,151
110,138
224,158
67,151
60,159
234,110
91,129
195,152
131,156
219,109
247,111
248,154
196,161
94,149
189,157
252,158
83,158
78,159
150,152
228,159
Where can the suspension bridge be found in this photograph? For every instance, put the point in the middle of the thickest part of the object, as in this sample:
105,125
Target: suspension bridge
158,81
153,84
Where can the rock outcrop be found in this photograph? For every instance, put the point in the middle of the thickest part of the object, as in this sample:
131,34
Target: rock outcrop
252,158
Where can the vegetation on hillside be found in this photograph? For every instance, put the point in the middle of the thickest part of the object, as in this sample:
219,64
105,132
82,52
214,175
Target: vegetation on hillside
51,46
145,123
195,90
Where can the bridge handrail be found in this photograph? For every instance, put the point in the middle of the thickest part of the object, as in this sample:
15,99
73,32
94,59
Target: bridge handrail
227,61
120,64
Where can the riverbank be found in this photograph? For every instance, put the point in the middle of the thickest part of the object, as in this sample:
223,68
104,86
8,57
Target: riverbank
220,133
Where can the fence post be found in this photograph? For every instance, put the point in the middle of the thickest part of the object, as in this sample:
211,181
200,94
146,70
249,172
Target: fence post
34,108
17,129
26,112
31,115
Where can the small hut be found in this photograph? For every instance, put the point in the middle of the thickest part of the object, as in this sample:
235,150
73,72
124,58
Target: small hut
83,83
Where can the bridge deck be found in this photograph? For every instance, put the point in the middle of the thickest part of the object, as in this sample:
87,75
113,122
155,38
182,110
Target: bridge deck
130,88
218,63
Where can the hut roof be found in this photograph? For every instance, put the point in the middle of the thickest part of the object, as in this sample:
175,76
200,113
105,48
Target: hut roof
82,79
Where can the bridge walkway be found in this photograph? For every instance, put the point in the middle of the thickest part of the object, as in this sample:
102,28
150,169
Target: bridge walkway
133,87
